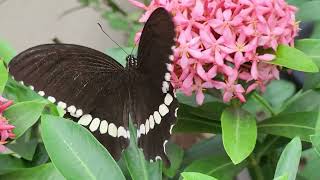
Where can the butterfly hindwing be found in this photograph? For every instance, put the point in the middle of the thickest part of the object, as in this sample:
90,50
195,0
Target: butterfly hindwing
88,84
151,92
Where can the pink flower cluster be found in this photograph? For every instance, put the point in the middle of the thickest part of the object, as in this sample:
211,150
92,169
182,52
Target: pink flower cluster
5,127
226,44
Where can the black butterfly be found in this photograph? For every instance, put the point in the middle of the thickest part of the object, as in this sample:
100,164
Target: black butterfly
99,93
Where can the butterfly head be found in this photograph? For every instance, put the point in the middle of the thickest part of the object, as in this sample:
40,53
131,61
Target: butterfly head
132,62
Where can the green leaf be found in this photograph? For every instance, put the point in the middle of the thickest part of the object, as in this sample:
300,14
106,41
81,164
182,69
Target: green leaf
284,177
41,156
6,51
315,139
311,47
175,155
196,176
297,3
46,171
154,170
290,125
316,30
202,119
204,148
19,93
3,76
219,166
311,81
25,145
278,92
9,163
23,115
239,133
303,100
288,163
138,167
75,152
310,163
294,59
309,11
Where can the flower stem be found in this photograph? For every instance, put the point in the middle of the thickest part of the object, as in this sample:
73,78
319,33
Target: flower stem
264,103
254,168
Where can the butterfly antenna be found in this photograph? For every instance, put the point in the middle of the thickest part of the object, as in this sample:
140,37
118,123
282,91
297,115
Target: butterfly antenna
112,39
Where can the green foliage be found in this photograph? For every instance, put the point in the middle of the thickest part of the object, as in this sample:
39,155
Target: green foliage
219,166
309,10
25,114
196,176
3,75
75,152
138,167
6,51
289,160
289,125
294,59
46,171
239,133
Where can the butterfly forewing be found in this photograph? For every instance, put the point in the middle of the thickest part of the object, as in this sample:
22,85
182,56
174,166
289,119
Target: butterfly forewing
88,84
154,54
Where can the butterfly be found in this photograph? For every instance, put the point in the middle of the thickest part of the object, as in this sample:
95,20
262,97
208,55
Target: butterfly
100,94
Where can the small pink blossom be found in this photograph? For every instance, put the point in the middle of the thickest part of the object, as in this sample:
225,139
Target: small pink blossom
5,127
221,44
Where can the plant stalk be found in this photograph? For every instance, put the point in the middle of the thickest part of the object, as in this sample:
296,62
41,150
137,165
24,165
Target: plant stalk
254,169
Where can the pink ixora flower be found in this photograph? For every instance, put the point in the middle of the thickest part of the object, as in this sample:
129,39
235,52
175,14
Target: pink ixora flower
222,44
5,127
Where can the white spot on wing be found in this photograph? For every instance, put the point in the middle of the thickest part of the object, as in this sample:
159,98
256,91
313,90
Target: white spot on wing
157,117
103,127
164,146
94,124
142,129
128,134
158,158
176,112
62,105
21,82
122,132
138,133
169,67
147,126
168,99
167,77
85,120
112,130
41,93
52,99
163,109
72,109
171,57
165,86
151,121
79,113
31,87
171,127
